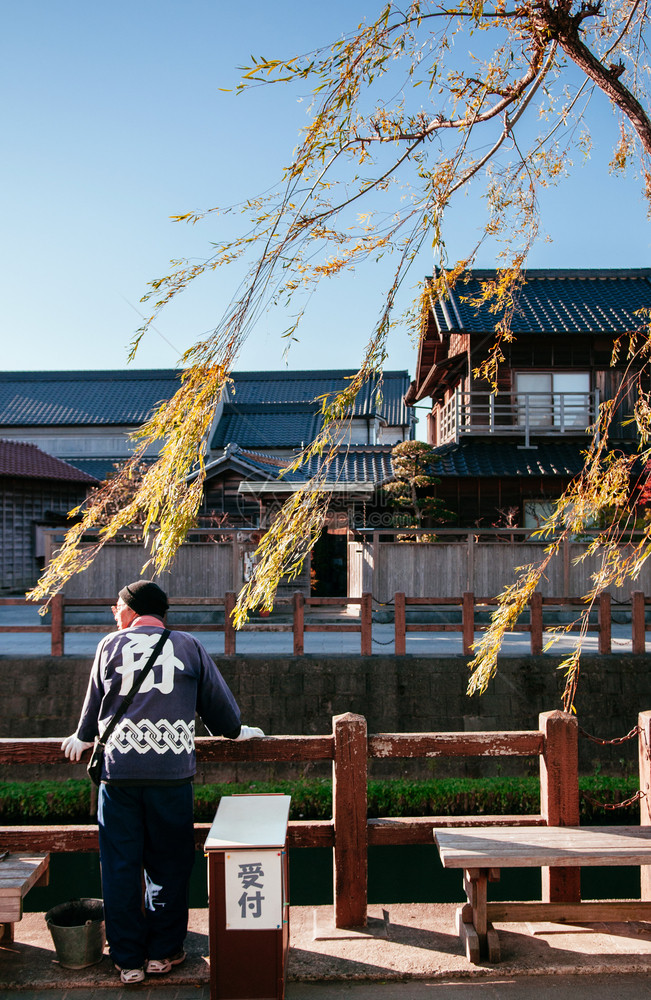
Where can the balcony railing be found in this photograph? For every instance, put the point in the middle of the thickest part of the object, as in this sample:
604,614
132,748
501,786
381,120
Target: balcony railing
526,414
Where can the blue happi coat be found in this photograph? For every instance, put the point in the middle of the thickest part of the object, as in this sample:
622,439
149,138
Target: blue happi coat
154,740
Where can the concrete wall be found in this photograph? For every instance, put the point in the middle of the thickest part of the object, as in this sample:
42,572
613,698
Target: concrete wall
42,696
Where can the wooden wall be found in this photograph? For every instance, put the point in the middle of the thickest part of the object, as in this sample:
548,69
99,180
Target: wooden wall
198,570
24,504
447,569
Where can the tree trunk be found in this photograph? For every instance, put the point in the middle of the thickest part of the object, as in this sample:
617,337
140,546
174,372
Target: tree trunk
557,23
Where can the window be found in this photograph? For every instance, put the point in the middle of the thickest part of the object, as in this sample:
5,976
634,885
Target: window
536,512
553,399
534,398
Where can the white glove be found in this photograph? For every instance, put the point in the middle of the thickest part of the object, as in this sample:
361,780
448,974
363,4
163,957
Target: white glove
246,732
73,748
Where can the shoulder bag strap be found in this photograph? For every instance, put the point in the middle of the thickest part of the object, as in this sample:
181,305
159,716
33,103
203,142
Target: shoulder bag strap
128,698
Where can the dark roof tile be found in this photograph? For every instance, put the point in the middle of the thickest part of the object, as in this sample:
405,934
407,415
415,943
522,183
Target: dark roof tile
356,464
555,301
279,409
100,468
83,398
306,386
492,458
264,410
266,427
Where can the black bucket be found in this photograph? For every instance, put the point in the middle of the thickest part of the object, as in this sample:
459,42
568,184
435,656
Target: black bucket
77,930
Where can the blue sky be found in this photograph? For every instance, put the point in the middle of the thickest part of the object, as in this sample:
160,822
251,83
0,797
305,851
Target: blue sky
113,120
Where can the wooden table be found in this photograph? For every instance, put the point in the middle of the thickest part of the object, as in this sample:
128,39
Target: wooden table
482,851
18,874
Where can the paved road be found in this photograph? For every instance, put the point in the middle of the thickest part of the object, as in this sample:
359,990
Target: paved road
316,643
495,987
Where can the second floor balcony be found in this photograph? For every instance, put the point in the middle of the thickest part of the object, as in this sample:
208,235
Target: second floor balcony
525,414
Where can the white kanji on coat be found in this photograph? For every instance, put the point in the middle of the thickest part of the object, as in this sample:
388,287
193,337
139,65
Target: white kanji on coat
135,653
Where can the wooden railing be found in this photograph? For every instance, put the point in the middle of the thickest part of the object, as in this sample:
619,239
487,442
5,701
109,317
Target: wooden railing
349,832
528,414
59,628
468,604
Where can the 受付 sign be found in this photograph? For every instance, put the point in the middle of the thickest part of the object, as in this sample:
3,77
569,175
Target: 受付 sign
254,890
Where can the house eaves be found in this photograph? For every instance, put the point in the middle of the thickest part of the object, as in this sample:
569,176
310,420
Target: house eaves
439,376
282,486
234,457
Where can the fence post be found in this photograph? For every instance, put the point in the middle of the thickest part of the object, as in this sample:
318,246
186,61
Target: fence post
229,630
298,623
470,574
468,621
57,624
375,583
349,769
367,624
400,625
637,622
559,797
605,624
536,623
644,744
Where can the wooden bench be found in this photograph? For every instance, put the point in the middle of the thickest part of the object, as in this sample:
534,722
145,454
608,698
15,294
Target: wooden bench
18,874
483,851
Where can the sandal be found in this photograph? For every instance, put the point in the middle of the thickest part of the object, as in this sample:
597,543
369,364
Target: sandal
159,966
131,976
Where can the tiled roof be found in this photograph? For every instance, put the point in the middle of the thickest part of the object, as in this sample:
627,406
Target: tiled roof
493,458
267,409
278,409
555,301
26,461
83,397
353,465
270,426
306,386
99,468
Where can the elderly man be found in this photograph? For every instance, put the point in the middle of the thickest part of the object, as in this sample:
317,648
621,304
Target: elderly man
144,808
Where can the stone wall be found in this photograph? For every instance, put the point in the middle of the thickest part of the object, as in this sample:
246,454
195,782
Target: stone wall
42,696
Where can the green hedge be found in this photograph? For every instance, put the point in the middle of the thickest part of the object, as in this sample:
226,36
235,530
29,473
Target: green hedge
70,801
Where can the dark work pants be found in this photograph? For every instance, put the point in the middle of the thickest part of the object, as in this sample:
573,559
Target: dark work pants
145,831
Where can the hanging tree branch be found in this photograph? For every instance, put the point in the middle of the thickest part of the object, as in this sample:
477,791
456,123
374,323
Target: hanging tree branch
402,158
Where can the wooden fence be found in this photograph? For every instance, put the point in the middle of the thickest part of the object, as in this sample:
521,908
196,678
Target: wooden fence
380,562
465,607
212,561
479,561
349,832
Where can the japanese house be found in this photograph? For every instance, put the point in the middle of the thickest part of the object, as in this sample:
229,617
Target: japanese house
502,457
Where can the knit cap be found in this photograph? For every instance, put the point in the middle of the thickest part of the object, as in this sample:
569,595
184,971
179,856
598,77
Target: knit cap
145,598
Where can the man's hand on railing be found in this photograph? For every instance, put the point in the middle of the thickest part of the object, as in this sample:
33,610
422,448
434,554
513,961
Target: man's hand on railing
246,732
73,748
